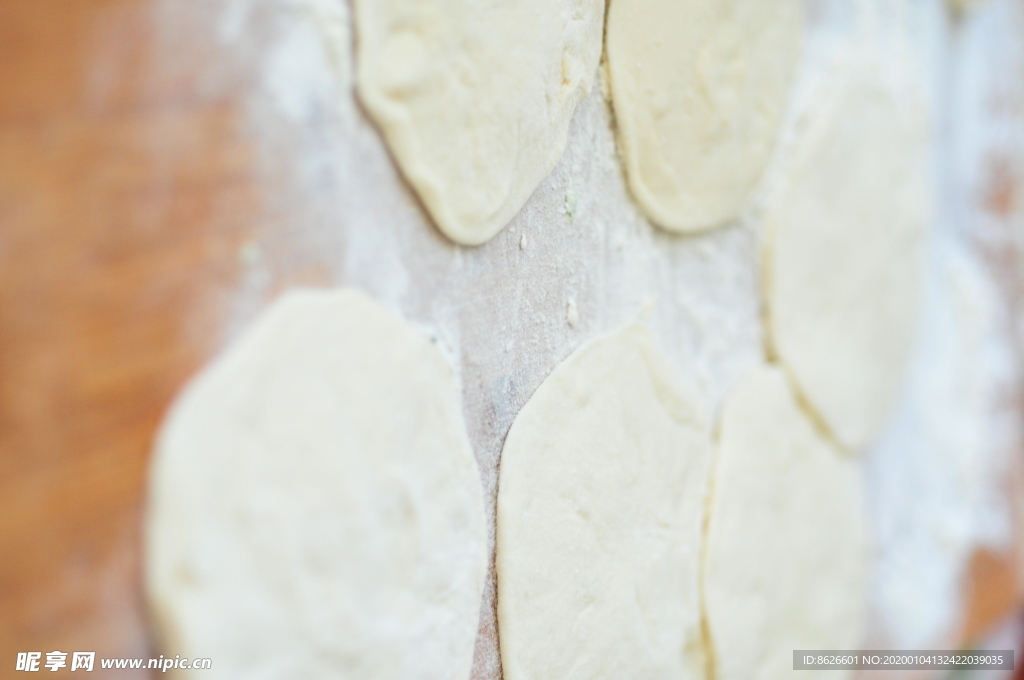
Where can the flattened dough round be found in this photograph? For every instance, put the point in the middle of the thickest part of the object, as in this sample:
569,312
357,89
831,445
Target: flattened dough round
603,480
474,98
315,508
786,562
699,88
843,261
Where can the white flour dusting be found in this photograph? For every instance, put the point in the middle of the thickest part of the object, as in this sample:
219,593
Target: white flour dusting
580,259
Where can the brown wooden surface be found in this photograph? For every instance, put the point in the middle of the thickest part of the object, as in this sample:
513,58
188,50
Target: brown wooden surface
127,188
122,205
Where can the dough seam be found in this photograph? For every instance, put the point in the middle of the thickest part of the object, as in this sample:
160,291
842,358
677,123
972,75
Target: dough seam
710,660
772,357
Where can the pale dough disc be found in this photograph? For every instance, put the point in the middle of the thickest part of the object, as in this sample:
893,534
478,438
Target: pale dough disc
699,88
843,255
315,508
786,562
603,480
474,98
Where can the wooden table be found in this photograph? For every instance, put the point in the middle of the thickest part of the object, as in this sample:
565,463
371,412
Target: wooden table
130,190
124,196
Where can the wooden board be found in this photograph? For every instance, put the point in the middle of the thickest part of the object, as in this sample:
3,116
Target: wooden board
121,210
144,219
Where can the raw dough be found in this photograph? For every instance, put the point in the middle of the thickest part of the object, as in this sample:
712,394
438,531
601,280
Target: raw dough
316,510
603,480
699,88
786,564
475,98
843,262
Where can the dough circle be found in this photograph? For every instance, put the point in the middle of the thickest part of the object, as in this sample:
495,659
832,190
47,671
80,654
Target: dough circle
475,98
699,88
602,486
843,255
786,561
315,508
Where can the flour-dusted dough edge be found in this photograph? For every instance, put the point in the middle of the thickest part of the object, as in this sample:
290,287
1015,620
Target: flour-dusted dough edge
851,417
399,127
166,538
626,111
815,592
560,393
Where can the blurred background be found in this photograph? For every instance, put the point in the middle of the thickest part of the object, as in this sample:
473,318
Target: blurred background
169,166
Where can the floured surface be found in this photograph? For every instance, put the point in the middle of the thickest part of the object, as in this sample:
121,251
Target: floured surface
579,260
699,88
957,433
183,161
474,99
926,539
600,515
787,546
315,507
